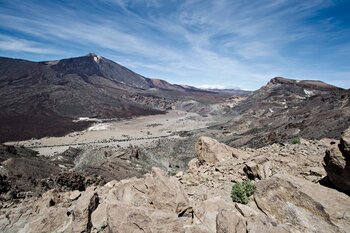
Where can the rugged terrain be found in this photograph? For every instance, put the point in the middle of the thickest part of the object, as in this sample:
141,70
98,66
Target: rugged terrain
43,98
289,196
284,109
149,156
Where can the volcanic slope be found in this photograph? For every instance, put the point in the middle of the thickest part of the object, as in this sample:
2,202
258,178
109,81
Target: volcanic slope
285,109
43,98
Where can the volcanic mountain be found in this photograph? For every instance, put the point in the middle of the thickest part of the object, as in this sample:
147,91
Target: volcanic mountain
285,108
43,98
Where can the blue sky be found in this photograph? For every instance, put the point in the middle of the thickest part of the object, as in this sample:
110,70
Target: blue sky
219,43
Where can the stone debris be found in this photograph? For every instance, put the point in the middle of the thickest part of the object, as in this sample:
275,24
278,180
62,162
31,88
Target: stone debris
288,197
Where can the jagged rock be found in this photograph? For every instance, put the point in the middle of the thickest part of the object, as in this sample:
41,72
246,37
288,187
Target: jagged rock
257,171
211,151
155,203
193,164
86,205
345,143
166,192
208,212
229,221
303,205
245,210
337,163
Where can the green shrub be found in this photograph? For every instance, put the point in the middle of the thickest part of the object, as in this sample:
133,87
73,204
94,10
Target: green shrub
296,141
242,191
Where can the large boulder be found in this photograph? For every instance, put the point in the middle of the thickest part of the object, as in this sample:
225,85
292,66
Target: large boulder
337,163
302,205
211,151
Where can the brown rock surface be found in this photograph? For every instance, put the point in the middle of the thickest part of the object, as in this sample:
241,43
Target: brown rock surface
304,206
211,151
337,163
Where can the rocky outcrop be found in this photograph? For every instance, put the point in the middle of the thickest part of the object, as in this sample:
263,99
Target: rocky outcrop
258,168
302,205
155,203
337,163
211,151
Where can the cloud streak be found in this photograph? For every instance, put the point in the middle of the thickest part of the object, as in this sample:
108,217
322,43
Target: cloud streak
223,42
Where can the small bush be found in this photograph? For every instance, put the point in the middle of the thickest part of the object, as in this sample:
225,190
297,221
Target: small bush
242,191
296,141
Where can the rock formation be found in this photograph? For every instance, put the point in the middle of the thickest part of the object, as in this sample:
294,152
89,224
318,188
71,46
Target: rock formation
211,151
337,163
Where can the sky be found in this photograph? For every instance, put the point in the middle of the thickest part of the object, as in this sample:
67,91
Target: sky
218,43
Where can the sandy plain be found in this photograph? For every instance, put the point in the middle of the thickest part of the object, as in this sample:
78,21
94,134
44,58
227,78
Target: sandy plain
136,131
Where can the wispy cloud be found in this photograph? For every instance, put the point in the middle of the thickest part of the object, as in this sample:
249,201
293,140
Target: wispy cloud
223,42
21,45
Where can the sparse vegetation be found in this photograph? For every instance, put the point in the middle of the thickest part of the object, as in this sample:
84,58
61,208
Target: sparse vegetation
296,141
242,191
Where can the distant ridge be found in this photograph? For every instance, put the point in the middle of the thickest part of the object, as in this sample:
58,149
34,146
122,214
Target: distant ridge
285,108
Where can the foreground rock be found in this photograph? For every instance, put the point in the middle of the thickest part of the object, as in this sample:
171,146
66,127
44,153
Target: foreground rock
337,163
287,199
155,203
209,150
302,205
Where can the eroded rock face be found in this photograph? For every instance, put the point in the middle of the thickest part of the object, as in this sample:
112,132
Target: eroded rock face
337,163
211,151
302,205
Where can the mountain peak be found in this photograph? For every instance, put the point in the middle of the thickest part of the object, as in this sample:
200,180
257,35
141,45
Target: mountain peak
281,80
96,57
313,84
91,55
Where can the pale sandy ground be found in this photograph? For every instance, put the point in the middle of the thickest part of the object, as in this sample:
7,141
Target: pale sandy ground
136,131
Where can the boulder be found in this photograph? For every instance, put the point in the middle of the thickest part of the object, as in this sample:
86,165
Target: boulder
337,163
229,221
211,151
264,224
257,171
219,215
245,210
303,205
166,192
345,143
193,165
